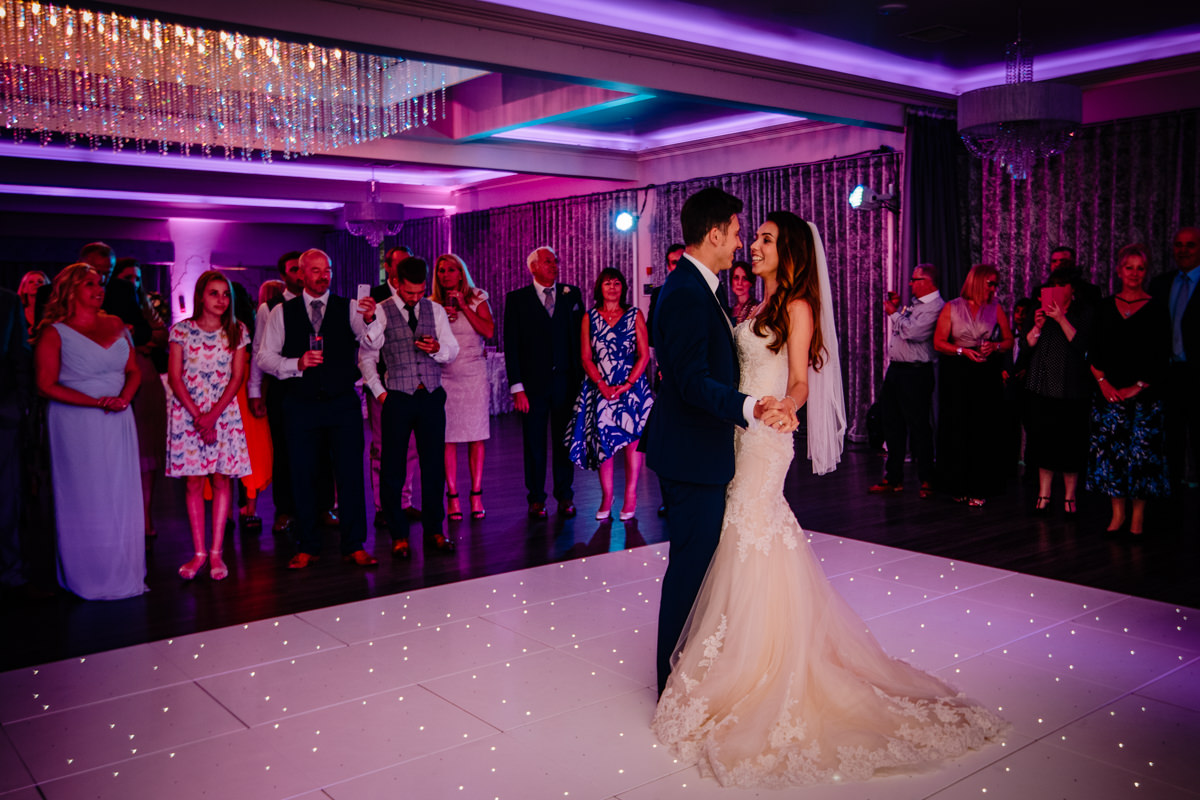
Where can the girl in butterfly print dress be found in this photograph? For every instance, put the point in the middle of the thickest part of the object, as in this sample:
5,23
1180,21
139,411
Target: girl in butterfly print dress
205,437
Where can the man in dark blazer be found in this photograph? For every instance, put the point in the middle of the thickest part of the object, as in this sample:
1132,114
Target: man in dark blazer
541,354
1177,290
688,439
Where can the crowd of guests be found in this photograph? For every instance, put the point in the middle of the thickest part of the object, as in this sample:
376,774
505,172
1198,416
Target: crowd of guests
1099,388
240,396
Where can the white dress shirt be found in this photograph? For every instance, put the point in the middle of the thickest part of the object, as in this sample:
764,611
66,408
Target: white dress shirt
372,343
270,357
254,385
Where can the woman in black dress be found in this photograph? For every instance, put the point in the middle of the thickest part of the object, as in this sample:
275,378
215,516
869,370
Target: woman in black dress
1058,388
1130,349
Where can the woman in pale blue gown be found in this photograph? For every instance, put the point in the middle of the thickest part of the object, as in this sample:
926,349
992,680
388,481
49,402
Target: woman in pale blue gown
85,367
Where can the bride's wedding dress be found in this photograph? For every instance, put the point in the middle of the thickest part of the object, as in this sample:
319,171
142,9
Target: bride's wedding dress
778,681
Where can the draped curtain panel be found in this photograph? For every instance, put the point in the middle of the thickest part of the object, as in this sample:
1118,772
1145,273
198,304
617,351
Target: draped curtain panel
859,247
354,261
426,237
495,243
934,233
1134,180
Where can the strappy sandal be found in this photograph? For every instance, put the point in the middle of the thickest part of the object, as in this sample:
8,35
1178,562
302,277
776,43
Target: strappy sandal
453,516
1042,506
481,513
217,569
189,570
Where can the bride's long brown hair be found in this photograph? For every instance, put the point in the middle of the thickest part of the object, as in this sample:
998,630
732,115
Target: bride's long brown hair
796,278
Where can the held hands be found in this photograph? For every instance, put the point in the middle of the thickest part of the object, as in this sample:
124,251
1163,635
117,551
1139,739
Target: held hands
779,416
206,426
521,402
976,355
1111,393
366,307
112,404
610,393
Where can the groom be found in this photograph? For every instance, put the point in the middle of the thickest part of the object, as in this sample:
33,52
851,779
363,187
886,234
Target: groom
688,439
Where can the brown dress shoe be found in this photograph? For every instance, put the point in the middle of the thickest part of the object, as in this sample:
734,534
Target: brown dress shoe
361,558
441,542
883,487
302,560
567,509
400,549
537,510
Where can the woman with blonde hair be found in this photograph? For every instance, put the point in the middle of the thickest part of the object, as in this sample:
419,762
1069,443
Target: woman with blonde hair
85,367
465,378
972,331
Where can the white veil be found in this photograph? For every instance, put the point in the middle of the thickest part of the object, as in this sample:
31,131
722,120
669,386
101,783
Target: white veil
826,404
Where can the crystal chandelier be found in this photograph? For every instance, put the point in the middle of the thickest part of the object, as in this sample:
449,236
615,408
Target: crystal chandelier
1020,121
102,76
374,219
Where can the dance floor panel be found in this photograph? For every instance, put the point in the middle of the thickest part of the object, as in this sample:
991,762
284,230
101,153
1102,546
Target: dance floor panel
539,683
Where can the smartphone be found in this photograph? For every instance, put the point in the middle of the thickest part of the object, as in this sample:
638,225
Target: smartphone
364,291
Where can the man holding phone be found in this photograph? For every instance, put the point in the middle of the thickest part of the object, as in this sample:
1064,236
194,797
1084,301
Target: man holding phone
320,405
415,340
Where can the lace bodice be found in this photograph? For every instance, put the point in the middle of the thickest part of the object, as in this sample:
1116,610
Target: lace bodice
763,372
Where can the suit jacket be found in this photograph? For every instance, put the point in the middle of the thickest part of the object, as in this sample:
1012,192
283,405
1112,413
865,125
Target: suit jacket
16,362
689,436
1160,289
541,352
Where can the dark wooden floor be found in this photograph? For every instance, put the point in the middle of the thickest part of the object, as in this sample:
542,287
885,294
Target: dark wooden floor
1162,565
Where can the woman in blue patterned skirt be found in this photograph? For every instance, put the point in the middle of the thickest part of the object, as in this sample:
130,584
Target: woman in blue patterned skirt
614,401
1129,354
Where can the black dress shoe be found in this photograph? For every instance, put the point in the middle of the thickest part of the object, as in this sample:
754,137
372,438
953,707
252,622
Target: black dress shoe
567,509
537,510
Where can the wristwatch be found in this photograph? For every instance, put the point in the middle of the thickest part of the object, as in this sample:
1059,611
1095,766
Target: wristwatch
960,351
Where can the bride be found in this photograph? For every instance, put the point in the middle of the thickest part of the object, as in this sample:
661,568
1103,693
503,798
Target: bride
776,682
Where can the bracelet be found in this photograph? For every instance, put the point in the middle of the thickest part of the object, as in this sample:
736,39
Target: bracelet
1142,385
795,405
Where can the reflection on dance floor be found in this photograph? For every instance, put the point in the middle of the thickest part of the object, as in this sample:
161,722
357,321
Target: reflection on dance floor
539,684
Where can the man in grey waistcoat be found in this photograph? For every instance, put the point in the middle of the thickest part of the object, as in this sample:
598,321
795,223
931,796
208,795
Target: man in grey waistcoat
414,342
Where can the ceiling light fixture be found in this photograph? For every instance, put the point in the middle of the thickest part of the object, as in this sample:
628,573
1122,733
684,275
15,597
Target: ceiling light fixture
1019,121
374,219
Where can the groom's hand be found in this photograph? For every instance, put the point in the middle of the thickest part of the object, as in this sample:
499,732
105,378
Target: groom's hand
775,414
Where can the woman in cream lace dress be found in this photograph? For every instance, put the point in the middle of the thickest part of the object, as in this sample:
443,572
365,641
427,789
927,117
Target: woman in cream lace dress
776,681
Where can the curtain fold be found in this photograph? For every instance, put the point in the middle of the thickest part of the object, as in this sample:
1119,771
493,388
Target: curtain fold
1133,180
933,228
859,247
495,243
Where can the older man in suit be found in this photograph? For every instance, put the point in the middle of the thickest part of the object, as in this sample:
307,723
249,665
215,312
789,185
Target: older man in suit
541,350
1177,290
688,439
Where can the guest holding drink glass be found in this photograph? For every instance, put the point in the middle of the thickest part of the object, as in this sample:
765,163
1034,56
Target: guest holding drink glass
971,334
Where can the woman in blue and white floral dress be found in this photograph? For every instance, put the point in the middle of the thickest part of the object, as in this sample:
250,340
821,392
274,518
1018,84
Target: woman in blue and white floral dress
614,401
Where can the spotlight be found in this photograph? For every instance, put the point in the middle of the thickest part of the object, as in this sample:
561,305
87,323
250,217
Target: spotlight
625,221
864,198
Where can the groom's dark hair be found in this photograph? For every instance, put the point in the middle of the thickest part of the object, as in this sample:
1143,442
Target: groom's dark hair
707,209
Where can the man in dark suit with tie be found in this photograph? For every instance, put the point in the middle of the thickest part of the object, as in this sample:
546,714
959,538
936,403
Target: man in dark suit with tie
541,352
1177,290
311,345
688,439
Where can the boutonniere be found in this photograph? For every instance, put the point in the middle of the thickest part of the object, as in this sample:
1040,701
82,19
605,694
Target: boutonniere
566,290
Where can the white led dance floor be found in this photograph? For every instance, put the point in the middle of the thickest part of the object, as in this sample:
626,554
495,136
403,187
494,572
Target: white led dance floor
539,684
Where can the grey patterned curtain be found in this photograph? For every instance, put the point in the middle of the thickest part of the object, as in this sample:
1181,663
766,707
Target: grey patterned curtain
427,237
1134,180
858,246
495,243
354,261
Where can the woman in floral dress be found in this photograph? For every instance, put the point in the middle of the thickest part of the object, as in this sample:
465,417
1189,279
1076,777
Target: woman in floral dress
614,401
205,436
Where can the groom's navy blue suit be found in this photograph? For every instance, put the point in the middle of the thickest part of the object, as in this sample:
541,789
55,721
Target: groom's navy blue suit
688,439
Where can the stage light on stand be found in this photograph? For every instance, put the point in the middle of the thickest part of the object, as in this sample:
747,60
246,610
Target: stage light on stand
864,198
625,221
